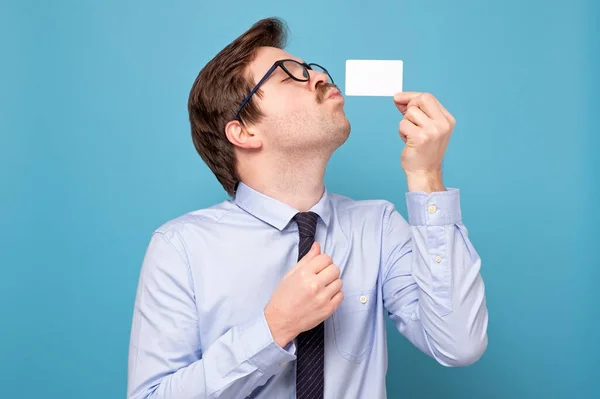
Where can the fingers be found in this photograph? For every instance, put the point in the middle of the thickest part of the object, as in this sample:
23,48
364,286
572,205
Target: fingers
314,261
429,105
403,98
328,275
318,263
448,116
336,300
407,129
426,102
444,112
333,288
416,116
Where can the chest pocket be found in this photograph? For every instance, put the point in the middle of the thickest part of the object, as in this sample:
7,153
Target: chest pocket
354,325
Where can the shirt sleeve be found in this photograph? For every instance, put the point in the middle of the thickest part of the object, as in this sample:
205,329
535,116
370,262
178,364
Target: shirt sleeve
432,286
165,356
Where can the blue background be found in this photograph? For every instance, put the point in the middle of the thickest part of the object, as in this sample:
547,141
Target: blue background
96,153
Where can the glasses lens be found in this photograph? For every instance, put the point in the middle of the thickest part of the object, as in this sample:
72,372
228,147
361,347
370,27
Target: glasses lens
296,70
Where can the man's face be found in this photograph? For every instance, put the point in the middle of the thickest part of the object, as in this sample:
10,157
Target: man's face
299,116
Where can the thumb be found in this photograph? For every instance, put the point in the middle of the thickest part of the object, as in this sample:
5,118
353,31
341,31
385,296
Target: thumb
402,99
314,250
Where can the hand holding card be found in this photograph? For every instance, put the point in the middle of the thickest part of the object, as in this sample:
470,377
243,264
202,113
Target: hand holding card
426,129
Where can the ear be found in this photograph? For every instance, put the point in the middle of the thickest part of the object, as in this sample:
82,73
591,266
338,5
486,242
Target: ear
241,136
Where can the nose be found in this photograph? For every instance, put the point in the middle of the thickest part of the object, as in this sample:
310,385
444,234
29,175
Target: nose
316,79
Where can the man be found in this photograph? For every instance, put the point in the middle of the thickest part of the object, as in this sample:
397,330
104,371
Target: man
284,290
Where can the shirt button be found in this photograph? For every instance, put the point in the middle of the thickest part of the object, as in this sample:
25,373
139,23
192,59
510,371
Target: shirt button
438,259
363,299
432,208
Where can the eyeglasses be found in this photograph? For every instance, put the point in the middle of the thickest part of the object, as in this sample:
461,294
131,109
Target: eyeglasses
295,70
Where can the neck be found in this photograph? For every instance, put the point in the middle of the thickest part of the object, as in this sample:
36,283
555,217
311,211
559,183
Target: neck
298,184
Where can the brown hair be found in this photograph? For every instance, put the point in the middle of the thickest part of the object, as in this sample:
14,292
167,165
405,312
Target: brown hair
218,91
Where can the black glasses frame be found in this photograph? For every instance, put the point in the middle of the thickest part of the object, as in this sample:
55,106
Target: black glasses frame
280,63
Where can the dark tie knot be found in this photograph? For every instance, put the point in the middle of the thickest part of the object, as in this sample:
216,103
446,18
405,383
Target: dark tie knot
307,223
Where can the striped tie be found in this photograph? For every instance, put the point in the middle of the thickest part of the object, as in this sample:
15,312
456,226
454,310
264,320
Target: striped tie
310,344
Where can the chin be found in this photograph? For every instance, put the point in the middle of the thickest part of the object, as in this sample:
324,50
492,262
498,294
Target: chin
340,133
345,127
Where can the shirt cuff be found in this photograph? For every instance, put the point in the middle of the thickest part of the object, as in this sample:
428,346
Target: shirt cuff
434,209
261,348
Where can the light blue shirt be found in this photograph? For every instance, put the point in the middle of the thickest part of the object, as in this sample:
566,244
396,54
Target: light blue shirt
199,329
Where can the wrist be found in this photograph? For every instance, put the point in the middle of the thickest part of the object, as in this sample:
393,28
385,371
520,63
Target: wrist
279,332
427,181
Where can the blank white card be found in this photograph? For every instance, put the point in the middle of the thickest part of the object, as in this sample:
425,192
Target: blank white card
373,77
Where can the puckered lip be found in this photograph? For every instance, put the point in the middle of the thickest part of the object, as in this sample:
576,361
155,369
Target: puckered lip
333,93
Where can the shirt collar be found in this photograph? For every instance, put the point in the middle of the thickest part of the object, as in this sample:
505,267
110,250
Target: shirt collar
274,212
